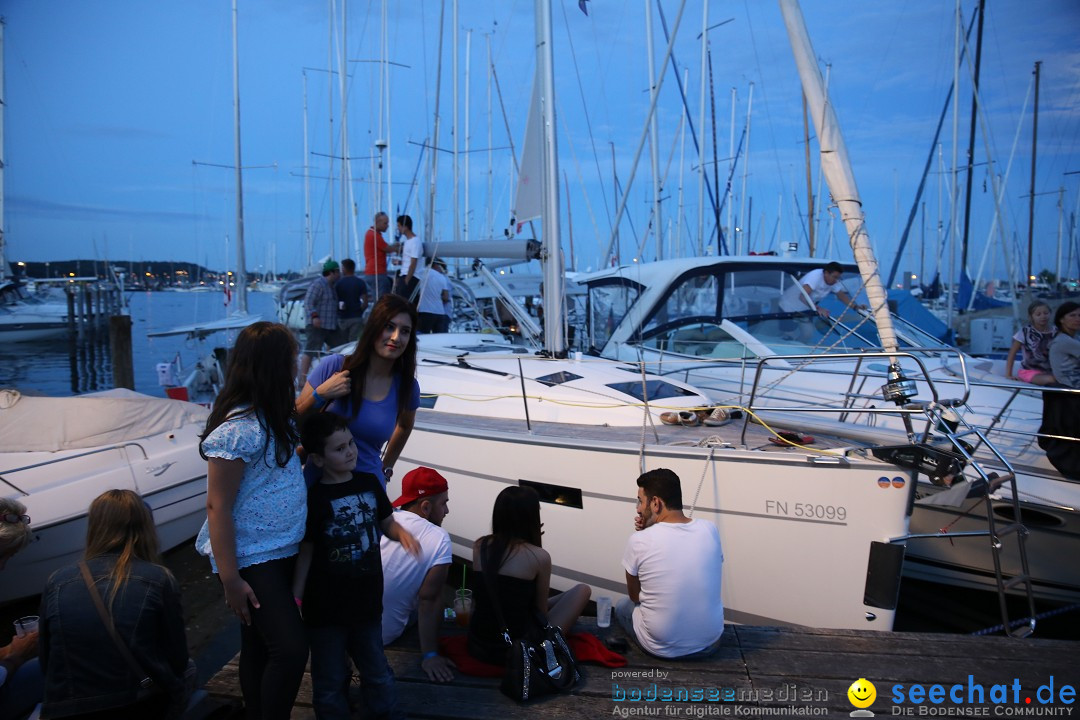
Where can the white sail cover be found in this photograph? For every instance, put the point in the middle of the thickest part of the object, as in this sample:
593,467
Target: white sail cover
52,424
529,200
837,169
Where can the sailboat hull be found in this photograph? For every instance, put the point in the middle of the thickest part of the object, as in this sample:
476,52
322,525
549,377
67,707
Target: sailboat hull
796,534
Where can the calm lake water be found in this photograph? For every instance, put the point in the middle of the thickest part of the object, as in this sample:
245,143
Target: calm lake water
61,368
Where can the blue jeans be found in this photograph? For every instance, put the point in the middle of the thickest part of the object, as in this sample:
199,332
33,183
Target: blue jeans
21,691
378,285
624,614
331,648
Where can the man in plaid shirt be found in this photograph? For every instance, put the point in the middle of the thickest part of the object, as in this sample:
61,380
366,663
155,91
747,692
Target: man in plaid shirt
321,308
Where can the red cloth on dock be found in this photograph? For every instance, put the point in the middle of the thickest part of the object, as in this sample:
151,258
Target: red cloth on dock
585,646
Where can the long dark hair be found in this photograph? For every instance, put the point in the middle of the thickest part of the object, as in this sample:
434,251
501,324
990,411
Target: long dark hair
118,521
404,368
262,365
515,520
1065,309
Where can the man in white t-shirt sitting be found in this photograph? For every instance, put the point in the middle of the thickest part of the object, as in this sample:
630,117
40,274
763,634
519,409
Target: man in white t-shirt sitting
412,586
673,567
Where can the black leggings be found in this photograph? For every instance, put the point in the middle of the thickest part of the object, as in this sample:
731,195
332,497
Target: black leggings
274,648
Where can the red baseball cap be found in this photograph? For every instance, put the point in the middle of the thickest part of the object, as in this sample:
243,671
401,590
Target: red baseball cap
420,483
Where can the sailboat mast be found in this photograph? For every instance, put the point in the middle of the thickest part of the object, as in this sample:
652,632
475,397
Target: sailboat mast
429,227
308,248
3,260
971,138
837,168
654,136
1031,197
554,340
241,274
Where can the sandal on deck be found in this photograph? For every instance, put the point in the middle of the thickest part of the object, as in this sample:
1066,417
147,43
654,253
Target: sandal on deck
784,439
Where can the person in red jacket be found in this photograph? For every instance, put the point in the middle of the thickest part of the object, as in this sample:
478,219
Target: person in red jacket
375,252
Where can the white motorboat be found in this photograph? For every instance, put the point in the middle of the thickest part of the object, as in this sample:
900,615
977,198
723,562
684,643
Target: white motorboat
58,453
26,319
717,323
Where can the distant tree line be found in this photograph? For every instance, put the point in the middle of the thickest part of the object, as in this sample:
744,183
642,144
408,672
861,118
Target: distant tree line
159,271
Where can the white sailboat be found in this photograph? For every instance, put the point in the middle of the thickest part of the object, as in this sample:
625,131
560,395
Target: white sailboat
810,538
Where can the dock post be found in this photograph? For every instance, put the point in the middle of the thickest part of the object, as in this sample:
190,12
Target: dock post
99,306
70,292
84,311
120,350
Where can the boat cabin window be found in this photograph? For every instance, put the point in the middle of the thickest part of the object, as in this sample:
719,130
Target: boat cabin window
700,339
749,293
608,305
693,298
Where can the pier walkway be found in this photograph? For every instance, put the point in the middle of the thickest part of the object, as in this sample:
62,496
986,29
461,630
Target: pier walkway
760,672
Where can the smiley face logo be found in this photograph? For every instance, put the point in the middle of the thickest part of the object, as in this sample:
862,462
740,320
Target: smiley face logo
862,693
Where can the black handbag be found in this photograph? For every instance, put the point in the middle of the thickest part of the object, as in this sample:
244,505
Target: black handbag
536,667
540,663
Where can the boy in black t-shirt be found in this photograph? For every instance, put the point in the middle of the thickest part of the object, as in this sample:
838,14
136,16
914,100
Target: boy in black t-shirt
339,579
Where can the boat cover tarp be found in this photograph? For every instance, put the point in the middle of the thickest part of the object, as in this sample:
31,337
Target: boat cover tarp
981,302
51,424
907,306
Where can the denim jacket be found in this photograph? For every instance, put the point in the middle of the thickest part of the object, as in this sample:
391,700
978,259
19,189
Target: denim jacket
84,671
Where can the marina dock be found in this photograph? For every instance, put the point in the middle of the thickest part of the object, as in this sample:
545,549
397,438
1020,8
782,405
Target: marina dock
759,671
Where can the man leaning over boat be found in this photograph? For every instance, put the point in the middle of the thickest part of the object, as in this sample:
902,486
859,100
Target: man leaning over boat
812,288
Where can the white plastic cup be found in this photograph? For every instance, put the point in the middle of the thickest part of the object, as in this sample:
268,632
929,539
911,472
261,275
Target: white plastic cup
603,611
26,625
463,607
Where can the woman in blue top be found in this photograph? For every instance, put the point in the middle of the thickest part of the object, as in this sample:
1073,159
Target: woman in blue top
256,507
375,387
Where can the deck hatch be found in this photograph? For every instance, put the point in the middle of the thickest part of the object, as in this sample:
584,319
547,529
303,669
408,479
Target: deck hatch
656,390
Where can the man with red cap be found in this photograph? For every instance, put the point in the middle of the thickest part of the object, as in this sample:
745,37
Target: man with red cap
412,586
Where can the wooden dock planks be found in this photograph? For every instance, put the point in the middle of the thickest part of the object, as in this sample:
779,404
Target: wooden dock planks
764,671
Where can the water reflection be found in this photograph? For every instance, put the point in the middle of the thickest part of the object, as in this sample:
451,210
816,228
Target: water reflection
73,366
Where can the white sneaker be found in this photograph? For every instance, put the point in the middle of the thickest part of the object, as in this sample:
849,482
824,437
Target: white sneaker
718,417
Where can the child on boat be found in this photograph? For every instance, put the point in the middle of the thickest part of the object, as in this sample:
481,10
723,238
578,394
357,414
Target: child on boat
1034,340
339,579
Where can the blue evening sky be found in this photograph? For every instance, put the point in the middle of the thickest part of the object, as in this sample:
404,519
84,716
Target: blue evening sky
109,105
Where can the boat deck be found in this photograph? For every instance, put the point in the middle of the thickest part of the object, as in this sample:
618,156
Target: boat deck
763,670
757,437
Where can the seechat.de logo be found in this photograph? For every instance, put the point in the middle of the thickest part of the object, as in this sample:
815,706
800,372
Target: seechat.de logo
973,698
